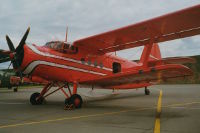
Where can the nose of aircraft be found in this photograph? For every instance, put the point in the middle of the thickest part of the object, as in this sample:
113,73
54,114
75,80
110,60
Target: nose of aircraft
17,55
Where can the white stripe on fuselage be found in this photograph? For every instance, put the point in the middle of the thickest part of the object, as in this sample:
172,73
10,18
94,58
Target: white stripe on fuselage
34,49
34,64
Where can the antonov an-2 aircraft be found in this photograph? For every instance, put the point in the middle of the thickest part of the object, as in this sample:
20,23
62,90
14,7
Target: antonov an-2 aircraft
88,62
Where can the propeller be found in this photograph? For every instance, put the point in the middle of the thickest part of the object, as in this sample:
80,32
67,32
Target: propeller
5,52
17,54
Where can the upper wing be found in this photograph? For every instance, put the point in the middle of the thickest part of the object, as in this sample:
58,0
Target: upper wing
183,23
153,74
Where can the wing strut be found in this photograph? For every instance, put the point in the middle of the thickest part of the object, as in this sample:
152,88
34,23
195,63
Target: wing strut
146,53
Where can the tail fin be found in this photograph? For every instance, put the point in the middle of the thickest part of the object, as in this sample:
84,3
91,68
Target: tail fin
155,54
156,59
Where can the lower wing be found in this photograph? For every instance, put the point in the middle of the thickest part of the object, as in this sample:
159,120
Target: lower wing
147,75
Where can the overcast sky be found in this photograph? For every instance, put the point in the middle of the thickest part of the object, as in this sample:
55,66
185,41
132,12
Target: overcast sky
48,20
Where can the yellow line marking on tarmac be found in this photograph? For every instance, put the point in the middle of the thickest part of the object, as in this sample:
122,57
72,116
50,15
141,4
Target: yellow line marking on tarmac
93,115
10,103
181,104
158,113
72,118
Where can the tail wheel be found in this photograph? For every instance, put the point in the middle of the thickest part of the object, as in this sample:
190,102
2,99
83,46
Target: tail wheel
147,91
34,99
15,89
74,100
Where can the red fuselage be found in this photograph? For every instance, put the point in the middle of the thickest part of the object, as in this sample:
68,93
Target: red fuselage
54,65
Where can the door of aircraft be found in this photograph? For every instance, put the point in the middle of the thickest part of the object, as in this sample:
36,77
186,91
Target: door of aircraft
116,67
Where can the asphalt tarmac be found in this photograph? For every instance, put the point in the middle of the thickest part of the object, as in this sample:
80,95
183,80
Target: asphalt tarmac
168,109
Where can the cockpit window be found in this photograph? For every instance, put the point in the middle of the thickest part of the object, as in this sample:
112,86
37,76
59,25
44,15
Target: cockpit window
57,45
62,47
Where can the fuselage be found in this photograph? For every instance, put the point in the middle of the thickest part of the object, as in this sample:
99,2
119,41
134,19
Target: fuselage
54,65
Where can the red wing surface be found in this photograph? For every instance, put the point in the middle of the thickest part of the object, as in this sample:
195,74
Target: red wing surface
180,24
154,74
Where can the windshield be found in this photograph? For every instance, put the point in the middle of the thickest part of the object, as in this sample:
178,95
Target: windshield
57,45
62,47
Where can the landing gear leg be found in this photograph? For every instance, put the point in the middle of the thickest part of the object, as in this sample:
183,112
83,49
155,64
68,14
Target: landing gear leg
147,91
73,100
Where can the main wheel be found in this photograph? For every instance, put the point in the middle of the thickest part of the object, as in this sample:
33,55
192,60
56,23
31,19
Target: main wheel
74,100
34,100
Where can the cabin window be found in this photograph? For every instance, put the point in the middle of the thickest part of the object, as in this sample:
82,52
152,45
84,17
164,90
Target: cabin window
101,65
89,62
95,63
82,60
116,67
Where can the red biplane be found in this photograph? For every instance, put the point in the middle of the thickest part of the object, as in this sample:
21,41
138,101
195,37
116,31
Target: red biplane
89,62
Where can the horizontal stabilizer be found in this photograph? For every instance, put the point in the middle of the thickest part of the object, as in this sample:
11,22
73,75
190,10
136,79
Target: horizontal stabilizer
173,60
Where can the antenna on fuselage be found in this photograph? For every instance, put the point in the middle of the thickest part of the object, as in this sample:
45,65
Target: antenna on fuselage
66,34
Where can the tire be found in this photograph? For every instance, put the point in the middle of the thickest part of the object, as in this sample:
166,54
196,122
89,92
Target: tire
76,100
147,92
15,89
33,98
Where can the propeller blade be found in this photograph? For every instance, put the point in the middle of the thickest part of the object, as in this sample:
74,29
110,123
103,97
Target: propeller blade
3,60
23,40
10,44
12,49
4,52
17,53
